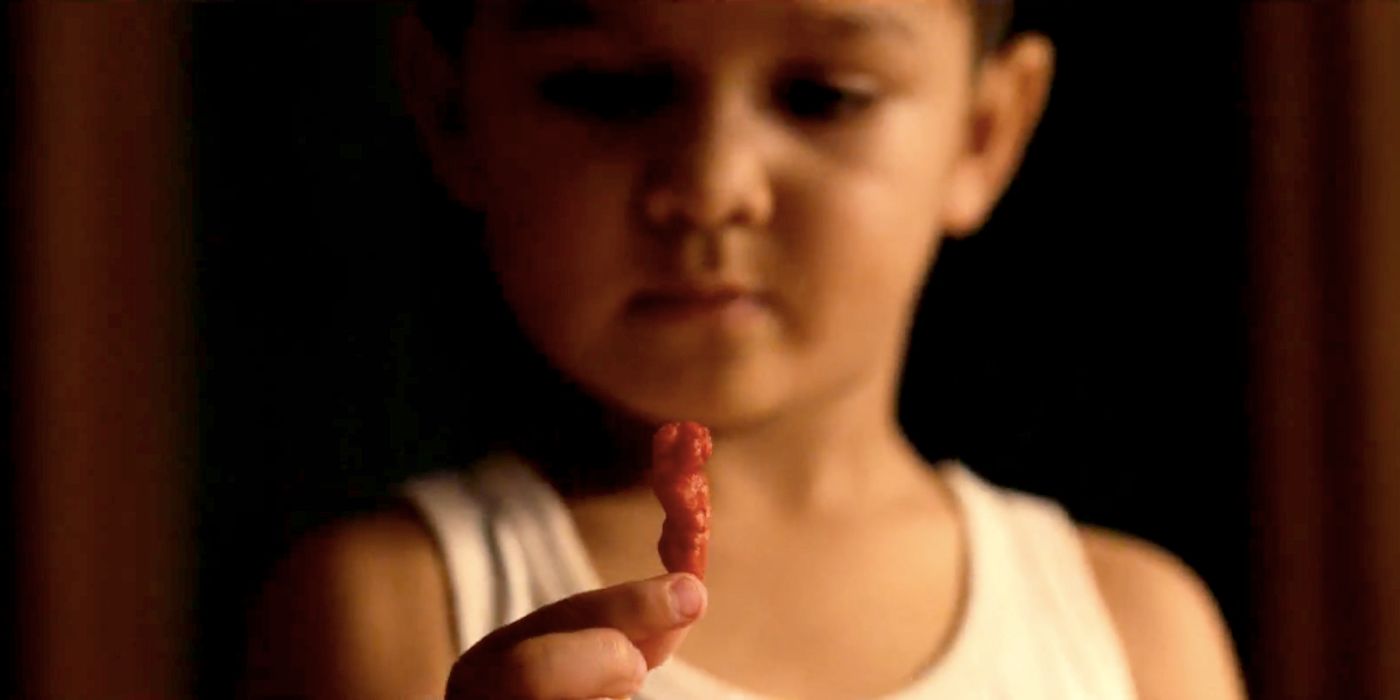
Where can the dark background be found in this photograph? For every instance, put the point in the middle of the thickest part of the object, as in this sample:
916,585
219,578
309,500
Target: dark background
9,457
1089,345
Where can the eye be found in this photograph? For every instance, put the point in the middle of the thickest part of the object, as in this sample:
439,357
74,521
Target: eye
819,100
608,95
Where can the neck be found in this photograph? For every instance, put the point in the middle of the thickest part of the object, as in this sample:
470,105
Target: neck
836,452
840,450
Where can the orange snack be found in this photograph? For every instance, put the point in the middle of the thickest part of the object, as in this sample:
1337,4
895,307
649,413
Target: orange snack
679,452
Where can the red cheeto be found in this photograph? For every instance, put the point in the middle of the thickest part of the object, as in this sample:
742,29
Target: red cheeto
679,452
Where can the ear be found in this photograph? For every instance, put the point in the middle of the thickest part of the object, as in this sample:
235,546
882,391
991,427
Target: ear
430,82
1009,96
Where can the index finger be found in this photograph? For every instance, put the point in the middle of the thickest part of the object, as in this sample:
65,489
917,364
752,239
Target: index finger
641,610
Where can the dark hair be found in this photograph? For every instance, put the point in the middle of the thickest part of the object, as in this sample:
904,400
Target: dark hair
993,22
447,20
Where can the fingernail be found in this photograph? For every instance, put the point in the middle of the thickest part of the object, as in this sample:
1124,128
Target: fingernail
687,597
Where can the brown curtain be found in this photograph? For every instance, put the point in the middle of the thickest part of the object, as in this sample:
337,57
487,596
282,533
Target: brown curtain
101,338
1325,83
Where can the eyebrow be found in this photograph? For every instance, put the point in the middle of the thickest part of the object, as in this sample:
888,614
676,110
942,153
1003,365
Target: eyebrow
864,23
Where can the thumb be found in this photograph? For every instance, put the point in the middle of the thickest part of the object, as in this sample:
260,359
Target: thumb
646,612
689,598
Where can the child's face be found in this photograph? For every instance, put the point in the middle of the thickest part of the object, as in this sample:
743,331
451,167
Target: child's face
718,210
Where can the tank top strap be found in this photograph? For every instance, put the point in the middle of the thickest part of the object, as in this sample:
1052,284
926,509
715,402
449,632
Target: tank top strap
458,523
1049,614
532,514
1052,547
506,539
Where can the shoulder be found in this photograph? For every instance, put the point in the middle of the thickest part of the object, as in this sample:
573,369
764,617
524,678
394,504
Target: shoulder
356,610
1176,642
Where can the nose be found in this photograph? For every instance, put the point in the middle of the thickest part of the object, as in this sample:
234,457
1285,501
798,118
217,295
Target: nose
707,174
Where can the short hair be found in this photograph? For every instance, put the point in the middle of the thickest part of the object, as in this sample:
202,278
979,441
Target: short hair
447,21
993,22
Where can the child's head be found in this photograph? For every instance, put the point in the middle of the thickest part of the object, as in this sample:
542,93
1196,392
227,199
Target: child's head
723,210
447,20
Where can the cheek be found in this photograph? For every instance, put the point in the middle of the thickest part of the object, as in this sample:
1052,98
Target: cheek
864,249
559,244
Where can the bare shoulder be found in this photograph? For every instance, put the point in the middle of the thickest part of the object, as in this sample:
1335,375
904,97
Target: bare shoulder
356,610
1176,641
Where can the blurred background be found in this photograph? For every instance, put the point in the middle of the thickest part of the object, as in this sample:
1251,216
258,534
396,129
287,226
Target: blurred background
238,308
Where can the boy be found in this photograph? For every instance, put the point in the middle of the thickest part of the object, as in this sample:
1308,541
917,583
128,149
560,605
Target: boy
725,212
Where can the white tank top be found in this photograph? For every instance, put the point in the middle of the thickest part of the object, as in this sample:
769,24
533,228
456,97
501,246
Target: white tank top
1034,626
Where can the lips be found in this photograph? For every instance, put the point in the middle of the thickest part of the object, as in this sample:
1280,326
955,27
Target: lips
681,303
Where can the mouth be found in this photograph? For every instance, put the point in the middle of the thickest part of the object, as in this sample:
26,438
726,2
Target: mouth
697,303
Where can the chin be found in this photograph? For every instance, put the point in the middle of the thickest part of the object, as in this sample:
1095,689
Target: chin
723,402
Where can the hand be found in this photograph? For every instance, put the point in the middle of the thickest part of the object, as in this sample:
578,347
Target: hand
598,644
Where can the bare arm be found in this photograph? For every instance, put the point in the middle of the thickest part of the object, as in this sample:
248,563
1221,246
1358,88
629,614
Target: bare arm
360,612
356,612
1177,643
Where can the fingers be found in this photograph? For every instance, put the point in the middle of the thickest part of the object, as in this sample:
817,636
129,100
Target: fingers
640,610
597,662
684,599
595,644
660,648
688,598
